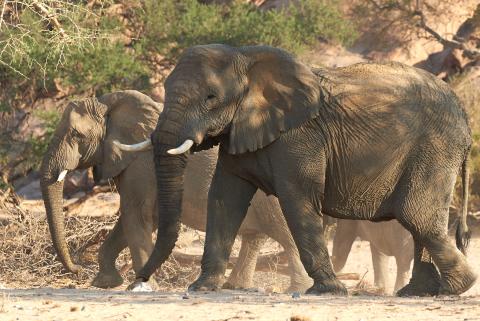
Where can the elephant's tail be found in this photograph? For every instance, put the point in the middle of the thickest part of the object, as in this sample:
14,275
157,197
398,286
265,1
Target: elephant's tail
462,236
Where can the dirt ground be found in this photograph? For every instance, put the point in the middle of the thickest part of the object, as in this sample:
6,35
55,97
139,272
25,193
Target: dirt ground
62,301
256,304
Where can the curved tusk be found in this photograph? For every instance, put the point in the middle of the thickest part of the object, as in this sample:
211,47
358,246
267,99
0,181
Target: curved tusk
135,147
182,148
61,176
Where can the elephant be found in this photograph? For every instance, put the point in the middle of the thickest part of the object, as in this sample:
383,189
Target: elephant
370,141
385,238
87,136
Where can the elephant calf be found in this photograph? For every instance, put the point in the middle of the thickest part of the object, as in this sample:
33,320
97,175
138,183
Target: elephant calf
385,238
86,137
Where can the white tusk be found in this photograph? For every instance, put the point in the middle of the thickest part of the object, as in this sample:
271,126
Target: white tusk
61,176
135,147
182,148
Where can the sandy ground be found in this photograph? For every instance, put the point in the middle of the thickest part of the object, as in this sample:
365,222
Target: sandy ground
50,304
19,302
92,304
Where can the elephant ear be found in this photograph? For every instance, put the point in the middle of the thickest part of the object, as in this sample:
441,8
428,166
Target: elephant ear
282,94
131,119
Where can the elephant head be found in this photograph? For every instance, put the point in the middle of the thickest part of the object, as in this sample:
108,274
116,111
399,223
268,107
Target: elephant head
86,136
244,98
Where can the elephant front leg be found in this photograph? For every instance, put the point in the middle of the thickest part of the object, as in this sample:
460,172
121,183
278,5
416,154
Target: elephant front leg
108,276
228,201
305,223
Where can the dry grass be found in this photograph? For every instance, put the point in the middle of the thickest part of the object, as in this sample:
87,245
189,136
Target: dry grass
28,259
27,256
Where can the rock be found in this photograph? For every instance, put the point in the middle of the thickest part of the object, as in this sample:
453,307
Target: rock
140,287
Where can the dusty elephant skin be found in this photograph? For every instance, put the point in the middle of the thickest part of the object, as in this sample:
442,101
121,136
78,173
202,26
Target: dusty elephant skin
86,136
369,141
386,239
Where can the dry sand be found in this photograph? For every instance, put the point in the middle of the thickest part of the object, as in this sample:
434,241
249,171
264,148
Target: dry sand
22,303
92,304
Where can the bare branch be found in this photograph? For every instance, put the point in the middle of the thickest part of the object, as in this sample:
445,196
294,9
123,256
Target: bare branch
3,13
453,44
51,17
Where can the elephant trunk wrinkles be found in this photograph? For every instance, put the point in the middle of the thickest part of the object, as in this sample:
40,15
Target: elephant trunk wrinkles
170,177
53,196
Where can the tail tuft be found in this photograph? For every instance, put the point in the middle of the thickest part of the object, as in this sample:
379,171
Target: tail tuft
462,237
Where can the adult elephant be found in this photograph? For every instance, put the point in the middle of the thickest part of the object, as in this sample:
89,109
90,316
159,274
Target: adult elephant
386,239
369,141
88,135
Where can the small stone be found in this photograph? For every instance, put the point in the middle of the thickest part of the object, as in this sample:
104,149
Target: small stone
73,309
186,296
296,295
142,287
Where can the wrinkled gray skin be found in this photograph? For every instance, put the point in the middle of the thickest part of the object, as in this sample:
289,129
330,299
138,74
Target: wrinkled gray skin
84,138
369,141
386,239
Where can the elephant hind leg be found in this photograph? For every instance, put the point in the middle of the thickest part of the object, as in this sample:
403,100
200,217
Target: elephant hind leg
345,235
108,276
456,276
380,268
425,280
403,258
241,276
299,279
424,213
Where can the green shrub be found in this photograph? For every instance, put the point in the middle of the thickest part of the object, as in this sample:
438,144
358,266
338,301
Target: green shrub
171,26
88,55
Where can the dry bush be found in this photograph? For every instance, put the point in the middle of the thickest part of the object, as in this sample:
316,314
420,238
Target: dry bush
175,276
28,259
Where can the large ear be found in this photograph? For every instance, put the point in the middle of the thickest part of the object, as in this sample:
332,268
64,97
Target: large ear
282,94
131,119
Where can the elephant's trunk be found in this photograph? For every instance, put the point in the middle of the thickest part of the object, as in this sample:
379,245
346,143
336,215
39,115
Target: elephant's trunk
53,170
53,196
169,171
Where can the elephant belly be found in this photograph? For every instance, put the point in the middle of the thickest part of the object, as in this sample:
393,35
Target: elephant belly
362,198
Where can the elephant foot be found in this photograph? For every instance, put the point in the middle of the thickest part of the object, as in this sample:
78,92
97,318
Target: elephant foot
299,286
140,286
458,280
333,287
207,283
235,286
109,280
425,281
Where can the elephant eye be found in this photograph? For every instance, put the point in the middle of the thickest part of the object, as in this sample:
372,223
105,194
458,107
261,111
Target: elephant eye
76,133
210,97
